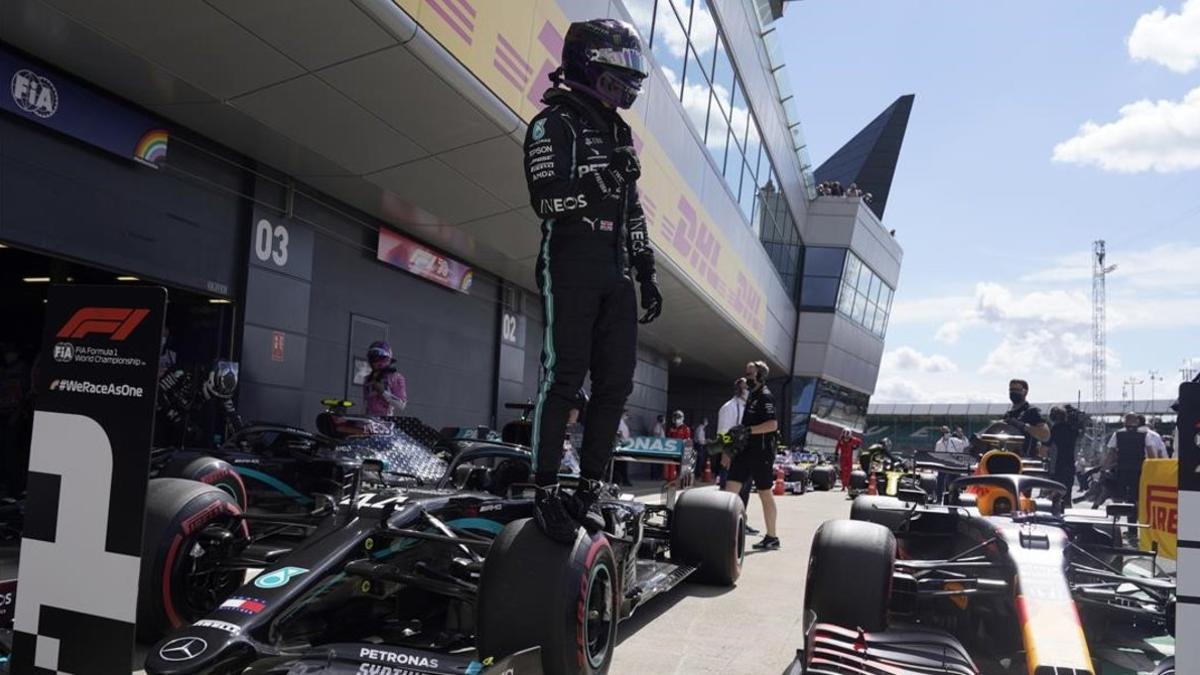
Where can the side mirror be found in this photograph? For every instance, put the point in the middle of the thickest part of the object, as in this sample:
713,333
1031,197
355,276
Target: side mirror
912,496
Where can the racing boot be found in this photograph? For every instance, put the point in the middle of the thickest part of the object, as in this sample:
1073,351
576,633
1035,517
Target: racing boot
551,515
582,505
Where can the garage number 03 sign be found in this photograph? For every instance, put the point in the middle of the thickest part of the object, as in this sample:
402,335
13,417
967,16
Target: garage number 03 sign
271,242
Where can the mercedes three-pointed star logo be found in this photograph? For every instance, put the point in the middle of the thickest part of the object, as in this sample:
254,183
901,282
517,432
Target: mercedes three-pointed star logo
182,649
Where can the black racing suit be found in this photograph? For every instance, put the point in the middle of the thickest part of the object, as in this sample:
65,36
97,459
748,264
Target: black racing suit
593,230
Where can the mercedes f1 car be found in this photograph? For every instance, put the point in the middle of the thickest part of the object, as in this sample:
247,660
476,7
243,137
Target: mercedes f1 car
411,575
1001,578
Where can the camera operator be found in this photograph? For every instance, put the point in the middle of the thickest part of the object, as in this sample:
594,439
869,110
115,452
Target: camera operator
1064,435
1025,418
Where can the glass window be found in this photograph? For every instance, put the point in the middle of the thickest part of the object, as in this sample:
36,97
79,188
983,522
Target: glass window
821,261
669,44
860,308
642,13
803,390
819,292
846,299
752,148
723,76
703,33
696,96
746,194
873,290
718,133
739,116
853,268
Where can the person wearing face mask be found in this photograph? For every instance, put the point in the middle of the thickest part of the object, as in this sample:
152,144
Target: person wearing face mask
1025,418
581,168
384,390
756,461
729,416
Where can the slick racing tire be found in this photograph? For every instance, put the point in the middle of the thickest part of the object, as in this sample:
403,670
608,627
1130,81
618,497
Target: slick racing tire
177,587
871,509
708,530
536,592
858,480
822,477
857,600
211,471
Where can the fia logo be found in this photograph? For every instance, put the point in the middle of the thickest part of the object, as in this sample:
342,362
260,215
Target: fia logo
34,94
64,352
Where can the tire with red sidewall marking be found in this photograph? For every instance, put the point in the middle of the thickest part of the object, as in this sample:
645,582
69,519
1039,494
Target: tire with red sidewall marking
537,592
210,471
175,587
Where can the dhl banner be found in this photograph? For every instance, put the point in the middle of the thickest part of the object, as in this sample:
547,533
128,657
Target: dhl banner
512,46
1158,505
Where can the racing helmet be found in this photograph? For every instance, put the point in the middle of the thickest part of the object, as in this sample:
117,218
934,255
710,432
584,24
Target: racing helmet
379,352
222,380
603,58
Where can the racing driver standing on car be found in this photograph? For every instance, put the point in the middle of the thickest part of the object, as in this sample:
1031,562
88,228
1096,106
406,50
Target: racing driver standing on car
582,172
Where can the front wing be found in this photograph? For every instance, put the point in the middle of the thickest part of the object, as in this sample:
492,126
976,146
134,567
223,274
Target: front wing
833,650
355,659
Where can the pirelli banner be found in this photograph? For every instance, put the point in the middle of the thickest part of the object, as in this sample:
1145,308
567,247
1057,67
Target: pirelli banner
1158,506
95,389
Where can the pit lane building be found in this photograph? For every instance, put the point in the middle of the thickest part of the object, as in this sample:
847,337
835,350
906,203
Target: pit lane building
309,178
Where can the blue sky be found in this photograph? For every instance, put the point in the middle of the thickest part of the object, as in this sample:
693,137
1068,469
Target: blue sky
996,229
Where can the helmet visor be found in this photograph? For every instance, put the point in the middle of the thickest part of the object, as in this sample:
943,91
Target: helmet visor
629,59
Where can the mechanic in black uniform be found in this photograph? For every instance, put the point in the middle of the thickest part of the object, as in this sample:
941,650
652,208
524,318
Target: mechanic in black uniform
1026,419
582,172
756,461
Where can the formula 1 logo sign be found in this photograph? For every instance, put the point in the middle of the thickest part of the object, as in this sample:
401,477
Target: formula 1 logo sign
115,322
90,502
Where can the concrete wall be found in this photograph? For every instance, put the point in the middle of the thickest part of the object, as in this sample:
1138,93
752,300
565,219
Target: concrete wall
445,342
848,223
62,196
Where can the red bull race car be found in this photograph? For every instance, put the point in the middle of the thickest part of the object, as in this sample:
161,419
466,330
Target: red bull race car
1001,578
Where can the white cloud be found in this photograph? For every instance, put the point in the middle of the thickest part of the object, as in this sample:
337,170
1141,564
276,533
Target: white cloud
1162,136
906,390
907,358
703,33
1171,40
1169,266
924,310
1038,354
897,391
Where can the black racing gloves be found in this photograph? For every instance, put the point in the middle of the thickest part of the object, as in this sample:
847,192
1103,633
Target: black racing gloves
625,162
652,299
